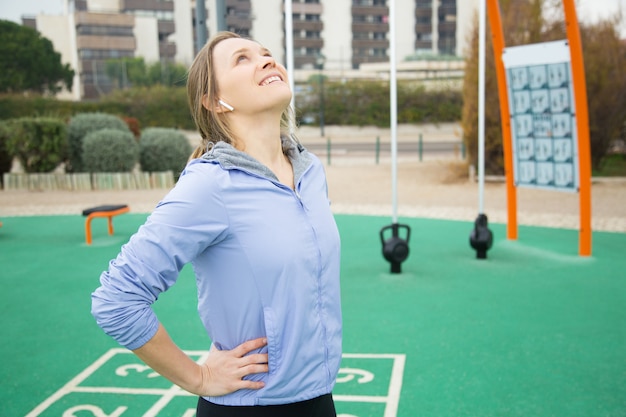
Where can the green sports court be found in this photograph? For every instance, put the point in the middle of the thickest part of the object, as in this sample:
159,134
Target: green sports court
534,330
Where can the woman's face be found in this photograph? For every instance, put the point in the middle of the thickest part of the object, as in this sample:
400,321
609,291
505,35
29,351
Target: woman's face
248,78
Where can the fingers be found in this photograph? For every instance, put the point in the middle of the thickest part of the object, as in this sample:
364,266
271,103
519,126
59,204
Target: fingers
246,384
226,370
250,345
255,358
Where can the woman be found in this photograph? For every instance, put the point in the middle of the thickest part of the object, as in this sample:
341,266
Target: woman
250,212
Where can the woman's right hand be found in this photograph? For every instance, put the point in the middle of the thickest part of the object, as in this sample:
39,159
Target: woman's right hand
224,370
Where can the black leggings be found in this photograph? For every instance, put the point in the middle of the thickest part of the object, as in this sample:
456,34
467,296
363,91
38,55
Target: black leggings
323,406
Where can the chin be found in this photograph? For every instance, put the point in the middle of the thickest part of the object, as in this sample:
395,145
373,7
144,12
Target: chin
283,102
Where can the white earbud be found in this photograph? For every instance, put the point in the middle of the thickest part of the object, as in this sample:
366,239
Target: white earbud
228,106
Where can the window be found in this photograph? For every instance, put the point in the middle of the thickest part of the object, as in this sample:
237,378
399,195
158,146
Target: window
313,51
105,30
104,54
159,14
378,52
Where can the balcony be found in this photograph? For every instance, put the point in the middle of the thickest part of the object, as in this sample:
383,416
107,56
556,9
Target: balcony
307,8
423,12
104,19
367,59
308,43
166,27
159,5
312,26
423,45
167,49
447,27
303,61
238,6
370,27
370,43
238,22
423,28
106,42
370,10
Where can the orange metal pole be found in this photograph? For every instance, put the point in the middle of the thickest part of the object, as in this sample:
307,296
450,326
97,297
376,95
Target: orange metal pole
582,125
497,37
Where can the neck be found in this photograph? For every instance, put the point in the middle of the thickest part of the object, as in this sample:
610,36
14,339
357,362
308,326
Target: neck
259,137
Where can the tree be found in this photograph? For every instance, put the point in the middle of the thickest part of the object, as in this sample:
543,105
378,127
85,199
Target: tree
127,71
134,72
605,60
524,23
29,62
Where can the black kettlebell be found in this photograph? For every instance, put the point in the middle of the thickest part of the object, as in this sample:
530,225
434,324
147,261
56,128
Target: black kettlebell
395,248
481,237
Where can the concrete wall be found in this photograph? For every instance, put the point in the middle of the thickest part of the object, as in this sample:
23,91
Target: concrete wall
146,33
337,34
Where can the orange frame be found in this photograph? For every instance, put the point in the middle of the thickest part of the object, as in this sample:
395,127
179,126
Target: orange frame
497,36
582,122
109,214
582,125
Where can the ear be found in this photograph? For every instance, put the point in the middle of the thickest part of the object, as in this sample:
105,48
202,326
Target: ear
206,103
214,107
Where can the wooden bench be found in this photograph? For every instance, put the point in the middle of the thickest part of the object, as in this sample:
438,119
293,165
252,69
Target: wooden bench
108,211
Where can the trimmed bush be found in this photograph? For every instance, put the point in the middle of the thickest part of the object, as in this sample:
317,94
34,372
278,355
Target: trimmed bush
79,127
110,150
40,144
162,149
6,159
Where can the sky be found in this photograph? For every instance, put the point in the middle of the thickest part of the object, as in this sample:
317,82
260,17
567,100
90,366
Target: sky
587,10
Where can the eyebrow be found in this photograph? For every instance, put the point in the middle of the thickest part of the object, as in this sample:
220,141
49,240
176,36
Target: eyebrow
246,49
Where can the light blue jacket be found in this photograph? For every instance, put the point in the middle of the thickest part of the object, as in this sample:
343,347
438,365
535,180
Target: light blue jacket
266,260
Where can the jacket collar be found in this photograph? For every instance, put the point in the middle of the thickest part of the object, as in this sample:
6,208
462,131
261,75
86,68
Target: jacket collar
230,158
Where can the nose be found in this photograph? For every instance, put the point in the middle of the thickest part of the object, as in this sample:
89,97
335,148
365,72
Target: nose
268,62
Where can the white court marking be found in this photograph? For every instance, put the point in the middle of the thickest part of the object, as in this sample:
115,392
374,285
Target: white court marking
166,395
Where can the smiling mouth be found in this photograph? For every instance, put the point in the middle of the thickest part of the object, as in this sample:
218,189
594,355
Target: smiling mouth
270,80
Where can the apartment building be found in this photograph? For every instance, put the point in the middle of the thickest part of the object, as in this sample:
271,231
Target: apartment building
91,32
337,35
348,33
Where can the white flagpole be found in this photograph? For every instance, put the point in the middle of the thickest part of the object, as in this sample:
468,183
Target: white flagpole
393,104
481,105
289,52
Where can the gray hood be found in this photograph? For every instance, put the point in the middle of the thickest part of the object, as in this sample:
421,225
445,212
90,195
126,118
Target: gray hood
230,158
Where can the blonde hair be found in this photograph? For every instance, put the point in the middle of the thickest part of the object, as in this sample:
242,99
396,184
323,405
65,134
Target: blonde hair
213,126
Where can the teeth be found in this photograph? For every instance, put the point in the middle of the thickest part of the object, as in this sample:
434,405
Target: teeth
271,80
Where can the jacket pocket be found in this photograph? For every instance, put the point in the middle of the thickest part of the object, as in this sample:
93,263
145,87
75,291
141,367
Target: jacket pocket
273,340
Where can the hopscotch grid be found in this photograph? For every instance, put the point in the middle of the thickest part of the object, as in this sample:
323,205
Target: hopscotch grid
130,391
168,394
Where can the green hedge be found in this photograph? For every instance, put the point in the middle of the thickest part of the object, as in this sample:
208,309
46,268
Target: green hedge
351,103
40,144
110,150
366,103
79,127
162,149
6,159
